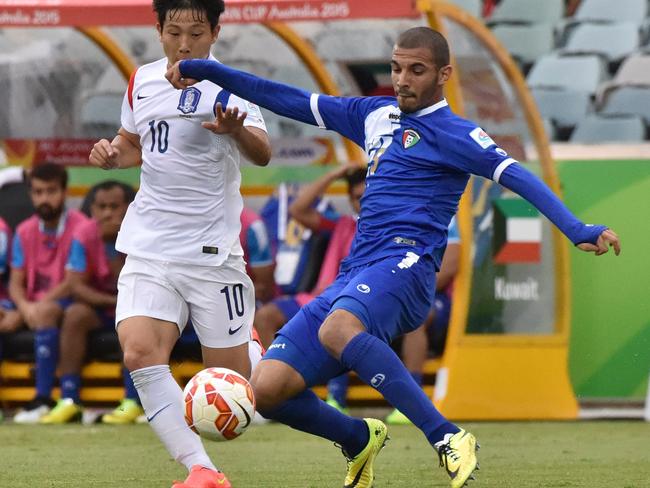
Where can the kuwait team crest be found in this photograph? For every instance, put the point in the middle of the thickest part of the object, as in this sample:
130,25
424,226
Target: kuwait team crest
410,138
189,100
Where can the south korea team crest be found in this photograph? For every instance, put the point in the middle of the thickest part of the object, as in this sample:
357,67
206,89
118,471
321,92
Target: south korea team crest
189,100
410,138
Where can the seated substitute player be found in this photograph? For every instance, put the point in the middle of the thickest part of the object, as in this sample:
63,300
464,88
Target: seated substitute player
255,241
181,233
9,317
37,283
272,316
92,269
420,155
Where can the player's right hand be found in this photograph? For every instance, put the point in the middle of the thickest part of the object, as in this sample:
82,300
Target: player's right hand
104,155
607,239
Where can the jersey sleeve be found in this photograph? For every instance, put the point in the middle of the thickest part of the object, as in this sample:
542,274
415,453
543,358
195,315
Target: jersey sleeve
77,259
259,246
17,254
344,115
253,113
127,119
471,150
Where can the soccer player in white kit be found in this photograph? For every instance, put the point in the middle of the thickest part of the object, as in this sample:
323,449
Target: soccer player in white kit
181,234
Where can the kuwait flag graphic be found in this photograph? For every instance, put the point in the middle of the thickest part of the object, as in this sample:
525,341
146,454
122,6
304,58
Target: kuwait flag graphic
517,232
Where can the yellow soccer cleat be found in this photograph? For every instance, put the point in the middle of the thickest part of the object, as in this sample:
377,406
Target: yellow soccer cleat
360,473
126,413
397,418
64,412
457,454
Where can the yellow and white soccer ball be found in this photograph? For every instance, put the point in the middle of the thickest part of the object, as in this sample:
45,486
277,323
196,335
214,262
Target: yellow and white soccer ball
219,404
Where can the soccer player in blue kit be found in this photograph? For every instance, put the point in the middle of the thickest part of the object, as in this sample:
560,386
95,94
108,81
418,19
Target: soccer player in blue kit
420,156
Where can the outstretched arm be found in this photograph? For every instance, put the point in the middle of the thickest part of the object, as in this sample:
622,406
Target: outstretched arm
589,238
284,100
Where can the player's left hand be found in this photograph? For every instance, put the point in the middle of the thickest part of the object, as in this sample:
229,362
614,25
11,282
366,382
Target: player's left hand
607,239
176,78
229,121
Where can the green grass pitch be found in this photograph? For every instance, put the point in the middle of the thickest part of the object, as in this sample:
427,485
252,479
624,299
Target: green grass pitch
533,454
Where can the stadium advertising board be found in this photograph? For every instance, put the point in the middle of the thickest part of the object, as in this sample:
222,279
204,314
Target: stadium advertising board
51,13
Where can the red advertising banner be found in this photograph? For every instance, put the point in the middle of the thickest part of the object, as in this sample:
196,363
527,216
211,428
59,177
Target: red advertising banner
27,152
50,13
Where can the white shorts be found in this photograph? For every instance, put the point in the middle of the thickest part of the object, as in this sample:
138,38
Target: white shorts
220,300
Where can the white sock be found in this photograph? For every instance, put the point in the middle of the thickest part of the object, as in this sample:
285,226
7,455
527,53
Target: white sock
254,353
162,400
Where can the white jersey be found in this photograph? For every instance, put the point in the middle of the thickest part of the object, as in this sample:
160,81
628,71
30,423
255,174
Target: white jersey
188,207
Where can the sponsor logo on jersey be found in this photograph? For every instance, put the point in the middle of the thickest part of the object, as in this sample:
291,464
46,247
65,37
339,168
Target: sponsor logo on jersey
501,152
363,288
481,138
377,380
280,345
410,138
189,100
393,116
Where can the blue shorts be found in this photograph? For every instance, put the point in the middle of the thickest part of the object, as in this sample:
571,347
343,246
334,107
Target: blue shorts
64,302
288,305
390,297
442,310
106,316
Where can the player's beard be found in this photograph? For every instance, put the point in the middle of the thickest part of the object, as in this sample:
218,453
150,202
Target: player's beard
47,212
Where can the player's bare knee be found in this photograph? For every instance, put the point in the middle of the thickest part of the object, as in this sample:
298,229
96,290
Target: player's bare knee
48,314
140,354
265,396
268,391
78,317
330,335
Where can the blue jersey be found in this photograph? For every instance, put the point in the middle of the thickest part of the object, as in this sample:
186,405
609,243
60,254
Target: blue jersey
418,167
418,163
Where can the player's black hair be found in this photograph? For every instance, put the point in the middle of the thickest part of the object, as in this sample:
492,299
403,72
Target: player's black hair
209,10
50,172
429,38
355,177
127,191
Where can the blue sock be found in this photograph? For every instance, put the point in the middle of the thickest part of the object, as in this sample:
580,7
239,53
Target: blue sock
337,388
417,377
129,388
46,354
307,413
70,386
376,364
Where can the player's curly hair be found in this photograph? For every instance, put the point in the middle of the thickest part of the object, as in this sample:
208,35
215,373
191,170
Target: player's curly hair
211,9
429,38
